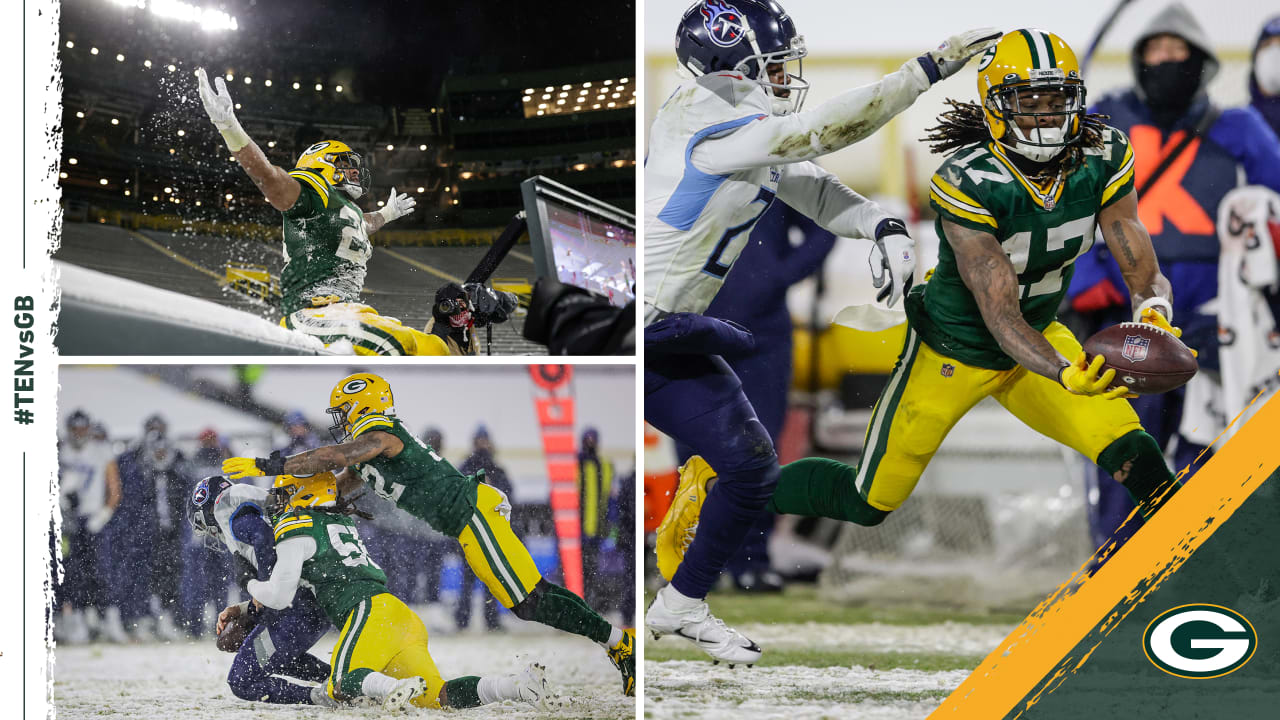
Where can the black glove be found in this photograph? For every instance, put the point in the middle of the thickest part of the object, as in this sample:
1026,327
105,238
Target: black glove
572,321
273,465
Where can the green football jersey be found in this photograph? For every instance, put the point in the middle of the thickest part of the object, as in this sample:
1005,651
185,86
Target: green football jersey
1042,231
418,480
340,571
326,245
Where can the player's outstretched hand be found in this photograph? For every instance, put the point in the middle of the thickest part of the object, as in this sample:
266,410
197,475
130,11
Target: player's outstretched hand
398,205
1082,378
955,51
893,259
221,110
243,467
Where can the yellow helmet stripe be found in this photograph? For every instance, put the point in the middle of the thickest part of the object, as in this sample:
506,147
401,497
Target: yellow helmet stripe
311,180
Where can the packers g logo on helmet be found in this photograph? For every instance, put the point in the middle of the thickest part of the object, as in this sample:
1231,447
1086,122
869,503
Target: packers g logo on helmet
303,491
1032,75
339,164
356,396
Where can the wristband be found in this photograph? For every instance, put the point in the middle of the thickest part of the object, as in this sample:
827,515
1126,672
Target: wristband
890,226
273,465
1154,302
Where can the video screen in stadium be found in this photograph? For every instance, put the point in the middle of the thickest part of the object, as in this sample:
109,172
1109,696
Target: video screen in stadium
589,244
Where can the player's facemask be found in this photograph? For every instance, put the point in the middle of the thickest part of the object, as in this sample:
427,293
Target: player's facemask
788,95
350,175
1054,111
340,430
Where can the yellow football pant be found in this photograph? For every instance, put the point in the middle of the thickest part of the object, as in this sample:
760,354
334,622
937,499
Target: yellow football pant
382,634
494,553
928,393
367,331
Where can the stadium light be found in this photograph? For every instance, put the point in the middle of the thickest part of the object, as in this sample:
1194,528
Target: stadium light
526,98
422,147
72,161
168,190
608,82
565,87
267,83
127,193
319,87
542,106
560,101
577,107
115,121
102,181
380,203
229,196
596,106
619,163
93,51
623,81
64,177
466,175
70,44
296,86
197,203
549,88
546,96
119,57
271,143
586,84
172,67
80,114
172,151
208,19
248,80
580,167
527,91
421,189
542,112
390,148
455,202
446,188
237,106
231,77
181,133
611,104
153,197
146,63
337,88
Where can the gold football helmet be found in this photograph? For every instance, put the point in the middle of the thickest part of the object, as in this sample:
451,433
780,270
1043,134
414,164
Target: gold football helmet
356,396
339,164
1034,75
290,492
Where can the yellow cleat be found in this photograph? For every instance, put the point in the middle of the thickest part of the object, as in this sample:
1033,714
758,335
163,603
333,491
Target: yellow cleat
623,657
680,524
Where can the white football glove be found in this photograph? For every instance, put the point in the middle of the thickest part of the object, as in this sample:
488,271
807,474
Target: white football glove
892,260
221,111
397,206
955,51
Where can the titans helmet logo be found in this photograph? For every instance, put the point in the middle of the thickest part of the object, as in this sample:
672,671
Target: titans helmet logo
201,493
723,22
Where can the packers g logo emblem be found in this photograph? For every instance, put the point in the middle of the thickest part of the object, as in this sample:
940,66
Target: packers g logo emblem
987,57
354,386
1199,641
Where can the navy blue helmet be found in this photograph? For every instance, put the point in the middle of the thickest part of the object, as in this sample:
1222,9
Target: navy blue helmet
200,510
745,36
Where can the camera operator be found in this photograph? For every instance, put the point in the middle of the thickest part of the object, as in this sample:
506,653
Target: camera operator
459,310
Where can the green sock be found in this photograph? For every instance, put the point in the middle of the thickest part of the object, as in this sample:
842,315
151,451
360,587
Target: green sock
462,692
563,610
352,684
823,488
1135,460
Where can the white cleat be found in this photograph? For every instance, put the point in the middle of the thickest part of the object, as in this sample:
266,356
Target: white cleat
531,684
700,627
403,693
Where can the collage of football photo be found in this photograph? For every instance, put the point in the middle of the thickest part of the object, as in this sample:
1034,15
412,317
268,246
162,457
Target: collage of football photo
935,379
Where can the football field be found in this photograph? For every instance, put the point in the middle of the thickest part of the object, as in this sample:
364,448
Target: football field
188,679
822,660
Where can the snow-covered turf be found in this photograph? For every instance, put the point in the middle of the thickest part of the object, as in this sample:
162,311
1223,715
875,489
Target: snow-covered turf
187,680
678,688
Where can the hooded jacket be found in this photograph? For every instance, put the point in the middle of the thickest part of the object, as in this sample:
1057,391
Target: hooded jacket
1180,210
1269,107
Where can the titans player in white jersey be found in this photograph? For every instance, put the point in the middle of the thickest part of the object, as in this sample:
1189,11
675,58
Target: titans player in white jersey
723,146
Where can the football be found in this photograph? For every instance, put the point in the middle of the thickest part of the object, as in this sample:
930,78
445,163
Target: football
233,635
1146,359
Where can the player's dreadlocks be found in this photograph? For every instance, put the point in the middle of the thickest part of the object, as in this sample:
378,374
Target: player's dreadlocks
963,125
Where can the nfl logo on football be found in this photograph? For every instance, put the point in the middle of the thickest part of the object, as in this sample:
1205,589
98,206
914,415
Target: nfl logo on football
1135,348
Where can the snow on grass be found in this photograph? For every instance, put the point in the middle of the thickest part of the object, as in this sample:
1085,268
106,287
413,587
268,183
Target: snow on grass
188,680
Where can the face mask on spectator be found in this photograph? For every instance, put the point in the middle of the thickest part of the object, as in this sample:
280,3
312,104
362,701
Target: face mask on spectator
1171,85
1266,68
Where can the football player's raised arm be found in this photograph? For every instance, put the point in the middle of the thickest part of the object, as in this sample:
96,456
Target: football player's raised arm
278,592
1130,244
280,190
797,137
990,276
820,196
335,457
842,120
